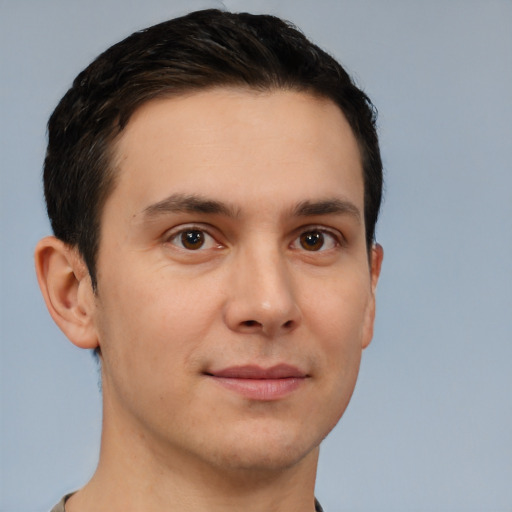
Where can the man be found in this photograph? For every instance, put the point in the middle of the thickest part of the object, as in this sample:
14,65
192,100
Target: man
213,184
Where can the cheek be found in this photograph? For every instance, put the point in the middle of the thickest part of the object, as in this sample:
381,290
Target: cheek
337,322
149,336
151,324
338,314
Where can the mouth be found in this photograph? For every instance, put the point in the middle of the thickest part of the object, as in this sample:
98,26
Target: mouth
257,383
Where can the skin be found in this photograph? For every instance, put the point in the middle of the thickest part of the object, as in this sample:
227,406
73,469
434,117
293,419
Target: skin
271,185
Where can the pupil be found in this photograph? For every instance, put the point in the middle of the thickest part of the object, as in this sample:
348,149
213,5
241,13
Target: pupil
192,239
312,241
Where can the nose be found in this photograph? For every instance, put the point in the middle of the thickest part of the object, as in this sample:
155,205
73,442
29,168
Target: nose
262,299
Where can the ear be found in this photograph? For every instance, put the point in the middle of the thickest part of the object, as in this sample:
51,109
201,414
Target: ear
377,255
67,290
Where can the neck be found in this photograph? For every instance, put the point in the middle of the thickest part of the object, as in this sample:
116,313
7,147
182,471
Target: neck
135,475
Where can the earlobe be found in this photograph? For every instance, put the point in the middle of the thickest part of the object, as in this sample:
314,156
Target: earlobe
377,256
67,290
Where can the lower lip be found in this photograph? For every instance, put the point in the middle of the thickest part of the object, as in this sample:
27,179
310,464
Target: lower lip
261,389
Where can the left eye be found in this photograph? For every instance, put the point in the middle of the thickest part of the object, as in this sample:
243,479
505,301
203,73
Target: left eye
315,240
193,239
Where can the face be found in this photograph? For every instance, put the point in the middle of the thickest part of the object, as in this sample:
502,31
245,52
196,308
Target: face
235,294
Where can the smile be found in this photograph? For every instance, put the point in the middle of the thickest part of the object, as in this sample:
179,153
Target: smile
256,383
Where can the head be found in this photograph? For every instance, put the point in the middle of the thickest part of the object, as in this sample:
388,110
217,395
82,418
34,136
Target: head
214,183
200,51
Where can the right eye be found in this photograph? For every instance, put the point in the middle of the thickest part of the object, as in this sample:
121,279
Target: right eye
192,239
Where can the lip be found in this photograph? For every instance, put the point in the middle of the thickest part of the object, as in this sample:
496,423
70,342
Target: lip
257,383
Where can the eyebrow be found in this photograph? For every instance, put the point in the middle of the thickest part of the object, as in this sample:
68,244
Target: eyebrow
189,203
327,207
192,203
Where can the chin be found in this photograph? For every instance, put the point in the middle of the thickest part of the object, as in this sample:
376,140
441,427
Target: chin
266,450
264,461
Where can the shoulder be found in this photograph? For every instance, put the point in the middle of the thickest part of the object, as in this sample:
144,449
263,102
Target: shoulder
318,507
60,507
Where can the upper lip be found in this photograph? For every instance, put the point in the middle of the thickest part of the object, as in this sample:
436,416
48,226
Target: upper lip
279,371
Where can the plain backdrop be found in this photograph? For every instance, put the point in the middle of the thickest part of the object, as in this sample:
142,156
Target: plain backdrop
430,424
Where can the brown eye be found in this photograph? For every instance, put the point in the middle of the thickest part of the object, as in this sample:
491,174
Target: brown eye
312,240
192,239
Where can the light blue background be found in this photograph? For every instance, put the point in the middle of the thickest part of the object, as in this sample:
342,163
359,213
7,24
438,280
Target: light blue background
430,425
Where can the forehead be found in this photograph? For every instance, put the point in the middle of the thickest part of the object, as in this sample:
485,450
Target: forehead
236,145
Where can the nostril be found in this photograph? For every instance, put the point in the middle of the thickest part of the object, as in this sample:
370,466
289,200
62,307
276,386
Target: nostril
251,323
288,324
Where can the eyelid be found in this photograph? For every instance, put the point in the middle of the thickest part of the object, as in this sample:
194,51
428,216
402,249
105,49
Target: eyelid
335,234
172,234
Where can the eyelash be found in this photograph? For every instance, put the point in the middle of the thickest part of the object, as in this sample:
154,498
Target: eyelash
171,237
335,236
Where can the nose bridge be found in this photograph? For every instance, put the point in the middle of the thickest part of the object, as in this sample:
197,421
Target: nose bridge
270,281
263,296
